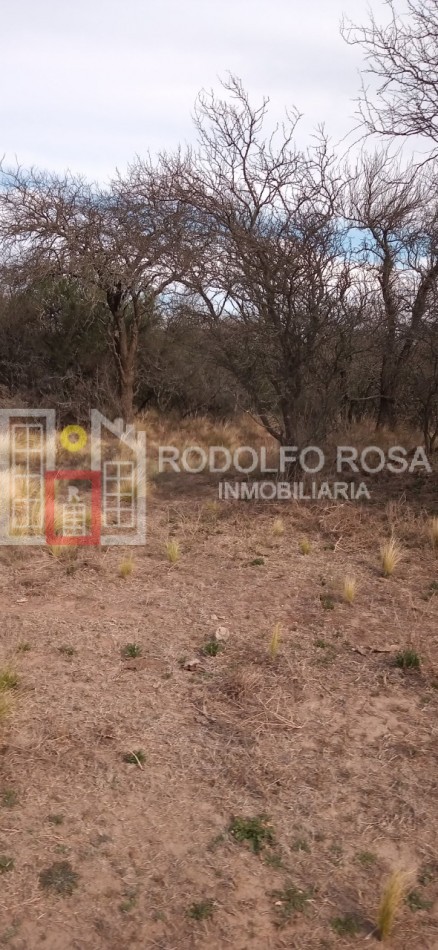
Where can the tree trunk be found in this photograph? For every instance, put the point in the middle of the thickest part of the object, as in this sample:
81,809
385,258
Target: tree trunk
126,392
386,414
124,339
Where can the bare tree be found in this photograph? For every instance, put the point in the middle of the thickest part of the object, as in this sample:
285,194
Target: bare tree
269,276
396,224
425,389
402,56
119,242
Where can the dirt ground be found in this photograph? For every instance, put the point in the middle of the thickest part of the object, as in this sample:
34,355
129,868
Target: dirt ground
327,745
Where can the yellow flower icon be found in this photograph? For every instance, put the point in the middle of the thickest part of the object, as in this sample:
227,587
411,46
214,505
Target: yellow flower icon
73,438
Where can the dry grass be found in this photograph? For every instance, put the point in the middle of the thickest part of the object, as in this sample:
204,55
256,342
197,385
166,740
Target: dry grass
67,552
349,589
278,528
391,901
173,551
391,553
433,532
8,680
5,706
126,567
305,546
210,511
312,746
201,431
274,643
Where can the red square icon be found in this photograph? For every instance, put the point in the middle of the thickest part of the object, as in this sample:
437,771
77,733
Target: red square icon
74,515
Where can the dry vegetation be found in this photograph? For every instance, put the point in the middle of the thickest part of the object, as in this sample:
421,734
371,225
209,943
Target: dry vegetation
223,748
227,738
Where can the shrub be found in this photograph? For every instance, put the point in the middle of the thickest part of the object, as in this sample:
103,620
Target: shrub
391,553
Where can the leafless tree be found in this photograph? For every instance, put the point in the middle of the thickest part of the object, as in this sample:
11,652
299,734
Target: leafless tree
422,381
118,241
396,226
402,57
268,277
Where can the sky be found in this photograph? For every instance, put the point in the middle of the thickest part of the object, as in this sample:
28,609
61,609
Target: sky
87,85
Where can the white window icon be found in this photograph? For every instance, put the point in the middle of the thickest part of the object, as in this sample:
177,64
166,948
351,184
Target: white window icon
118,495
74,520
27,477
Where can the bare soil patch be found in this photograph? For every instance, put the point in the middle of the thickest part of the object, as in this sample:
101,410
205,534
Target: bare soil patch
328,743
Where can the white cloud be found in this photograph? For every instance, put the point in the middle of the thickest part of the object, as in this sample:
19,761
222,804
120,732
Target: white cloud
87,85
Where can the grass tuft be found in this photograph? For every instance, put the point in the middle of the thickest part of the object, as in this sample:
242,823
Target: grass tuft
278,528
212,648
68,552
327,601
131,651
202,910
126,567
130,901
408,660
366,858
347,926
305,546
9,798
349,589
301,844
415,901
288,902
173,551
256,831
59,877
67,650
136,757
8,680
275,640
391,900
391,553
